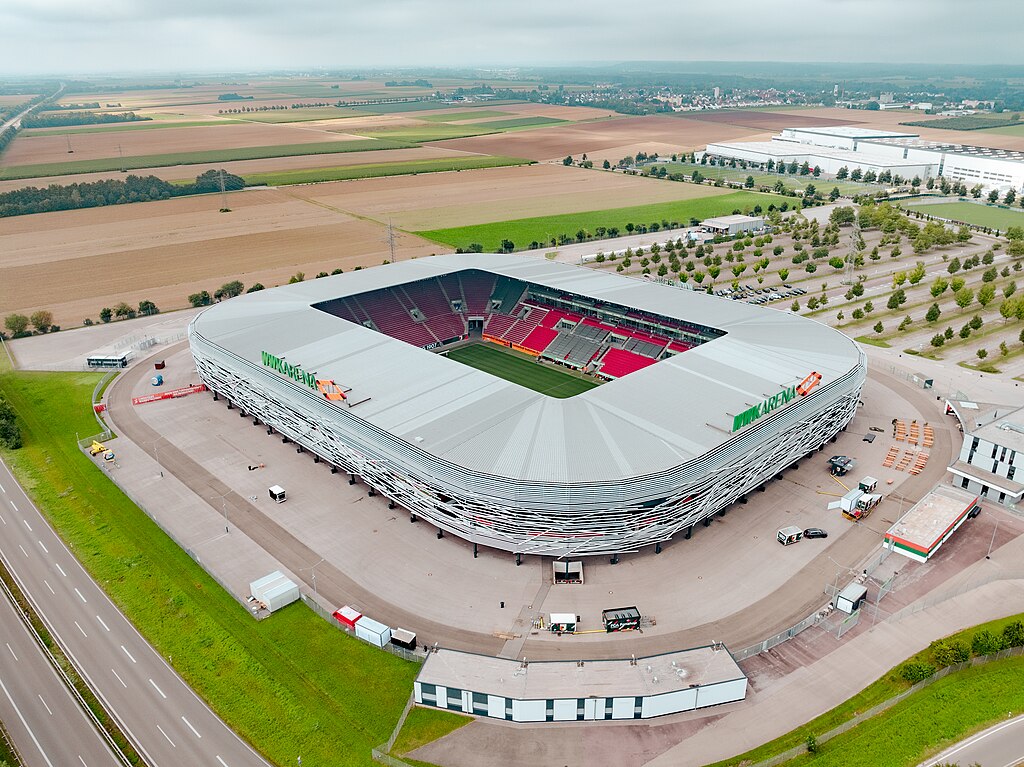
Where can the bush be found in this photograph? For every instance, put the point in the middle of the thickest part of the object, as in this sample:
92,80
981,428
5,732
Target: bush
947,654
1013,634
916,671
986,643
10,432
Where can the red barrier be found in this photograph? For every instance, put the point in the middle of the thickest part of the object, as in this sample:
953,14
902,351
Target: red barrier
169,394
99,407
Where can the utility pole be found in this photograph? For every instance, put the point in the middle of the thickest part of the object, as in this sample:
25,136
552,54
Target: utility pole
120,154
391,240
223,194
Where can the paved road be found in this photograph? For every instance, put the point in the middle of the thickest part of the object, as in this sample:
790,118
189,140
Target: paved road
16,120
165,719
999,746
48,726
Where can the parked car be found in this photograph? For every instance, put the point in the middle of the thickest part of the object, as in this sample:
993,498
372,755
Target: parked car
974,512
815,532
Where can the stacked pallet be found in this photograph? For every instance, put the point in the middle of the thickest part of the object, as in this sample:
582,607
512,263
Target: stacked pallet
929,436
919,463
890,458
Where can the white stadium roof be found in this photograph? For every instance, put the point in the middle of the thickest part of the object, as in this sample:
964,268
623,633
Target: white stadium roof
651,420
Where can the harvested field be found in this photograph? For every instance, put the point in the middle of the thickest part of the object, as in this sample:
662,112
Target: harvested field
248,167
130,126
377,170
497,194
766,121
305,115
52,148
76,262
557,142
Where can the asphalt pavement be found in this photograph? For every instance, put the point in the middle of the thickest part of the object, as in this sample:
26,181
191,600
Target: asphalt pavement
1001,745
168,723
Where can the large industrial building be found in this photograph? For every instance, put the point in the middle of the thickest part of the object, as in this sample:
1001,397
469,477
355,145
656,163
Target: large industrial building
706,399
903,154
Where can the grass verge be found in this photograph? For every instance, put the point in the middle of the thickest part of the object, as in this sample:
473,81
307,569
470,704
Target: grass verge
873,341
292,668
103,164
878,691
521,370
543,229
991,216
425,725
376,170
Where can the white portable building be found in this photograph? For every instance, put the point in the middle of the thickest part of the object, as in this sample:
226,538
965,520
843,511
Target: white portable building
274,591
849,599
372,631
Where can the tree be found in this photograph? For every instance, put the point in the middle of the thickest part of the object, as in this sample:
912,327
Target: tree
957,283
201,298
1010,288
10,432
879,328
42,320
148,308
869,307
606,165
938,340
993,196
842,216
106,314
836,262
783,274
842,173
297,277
124,311
255,288
939,287
934,312
749,183
567,161
234,288
795,306
897,299
953,266
964,297
986,294
898,279
917,273
1010,197
976,322
982,353
963,234
965,332
16,323
858,314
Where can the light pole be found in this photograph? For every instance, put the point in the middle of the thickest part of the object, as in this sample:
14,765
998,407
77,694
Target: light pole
991,543
312,570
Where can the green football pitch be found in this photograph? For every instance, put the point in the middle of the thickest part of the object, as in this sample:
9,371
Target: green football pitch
521,370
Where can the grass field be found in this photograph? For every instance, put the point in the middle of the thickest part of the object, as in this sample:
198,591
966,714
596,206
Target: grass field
119,127
293,668
967,122
543,228
377,170
477,114
425,725
519,122
1014,130
521,370
306,115
434,132
196,158
423,106
739,175
971,213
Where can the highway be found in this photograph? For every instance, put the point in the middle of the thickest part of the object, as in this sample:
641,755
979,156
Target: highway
16,120
48,726
162,716
999,746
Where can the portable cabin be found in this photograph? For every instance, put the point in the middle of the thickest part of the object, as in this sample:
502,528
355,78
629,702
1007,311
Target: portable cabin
620,619
788,535
563,622
277,494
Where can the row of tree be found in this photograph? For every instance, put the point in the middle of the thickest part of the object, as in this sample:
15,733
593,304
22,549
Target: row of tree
112,191
18,324
10,432
64,119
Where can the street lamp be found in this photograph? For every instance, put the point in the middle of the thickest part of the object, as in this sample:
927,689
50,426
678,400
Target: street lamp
312,570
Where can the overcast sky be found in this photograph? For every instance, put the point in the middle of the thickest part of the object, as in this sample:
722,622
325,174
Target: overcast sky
82,36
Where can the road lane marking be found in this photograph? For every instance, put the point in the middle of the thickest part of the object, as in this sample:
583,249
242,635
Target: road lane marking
22,549
24,723
104,625
82,630
16,508
119,679
60,569
978,738
222,761
82,761
128,653
79,594
44,705
2,489
43,545
3,520
49,587
25,521
166,736
186,721
158,689
12,651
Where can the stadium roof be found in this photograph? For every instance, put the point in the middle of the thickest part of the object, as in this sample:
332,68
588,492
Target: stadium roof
651,420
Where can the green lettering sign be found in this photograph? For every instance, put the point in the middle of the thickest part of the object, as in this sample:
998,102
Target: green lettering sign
750,415
295,372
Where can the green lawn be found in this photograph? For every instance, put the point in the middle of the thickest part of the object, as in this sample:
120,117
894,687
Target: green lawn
761,178
930,720
307,114
1015,130
425,725
521,370
519,122
523,231
118,127
433,132
196,158
971,213
291,684
376,170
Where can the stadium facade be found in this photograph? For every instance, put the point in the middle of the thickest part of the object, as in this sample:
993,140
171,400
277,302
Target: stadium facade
707,400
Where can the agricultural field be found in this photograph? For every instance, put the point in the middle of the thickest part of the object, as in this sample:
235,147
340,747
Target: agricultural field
377,170
75,130
521,370
972,213
304,115
969,122
761,178
544,229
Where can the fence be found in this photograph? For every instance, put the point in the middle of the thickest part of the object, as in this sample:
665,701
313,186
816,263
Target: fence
401,652
887,704
777,639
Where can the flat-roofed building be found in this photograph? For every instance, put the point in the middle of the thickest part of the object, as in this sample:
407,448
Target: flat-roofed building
920,532
991,461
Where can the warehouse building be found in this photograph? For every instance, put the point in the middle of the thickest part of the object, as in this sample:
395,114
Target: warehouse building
920,532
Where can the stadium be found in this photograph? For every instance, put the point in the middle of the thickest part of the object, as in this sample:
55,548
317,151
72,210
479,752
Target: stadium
532,406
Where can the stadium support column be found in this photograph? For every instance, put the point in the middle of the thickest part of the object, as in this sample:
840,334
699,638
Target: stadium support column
657,547
614,560
351,479
689,532
519,559
440,533
476,551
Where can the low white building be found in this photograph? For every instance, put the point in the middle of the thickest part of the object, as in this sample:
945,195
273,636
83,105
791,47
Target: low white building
991,461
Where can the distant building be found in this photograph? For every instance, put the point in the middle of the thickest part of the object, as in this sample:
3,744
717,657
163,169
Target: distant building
733,225
991,462
718,93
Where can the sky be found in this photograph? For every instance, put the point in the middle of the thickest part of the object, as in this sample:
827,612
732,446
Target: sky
94,36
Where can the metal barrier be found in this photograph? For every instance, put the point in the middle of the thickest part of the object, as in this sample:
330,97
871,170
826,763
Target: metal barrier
401,652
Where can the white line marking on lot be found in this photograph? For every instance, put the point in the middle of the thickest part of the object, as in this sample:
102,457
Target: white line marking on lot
158,689
3,520
186,721
25,521
60,569
24,723
43,545
128,653
44,705
222,761
2,489
104,625
22,549
119,679
166,736
82,630
79,594
82,761
49,587
12,651
16,508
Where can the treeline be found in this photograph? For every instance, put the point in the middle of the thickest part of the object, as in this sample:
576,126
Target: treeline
64,119
112,191
73,107
7,136
320,105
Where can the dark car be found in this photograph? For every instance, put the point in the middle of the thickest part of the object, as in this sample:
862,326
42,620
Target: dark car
974,512
815,532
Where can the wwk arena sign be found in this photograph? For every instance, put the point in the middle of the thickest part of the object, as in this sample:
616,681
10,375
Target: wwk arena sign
785,396
295,372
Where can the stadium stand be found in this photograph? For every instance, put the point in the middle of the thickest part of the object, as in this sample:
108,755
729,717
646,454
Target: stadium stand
617,363
477,287
507,293
539,339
